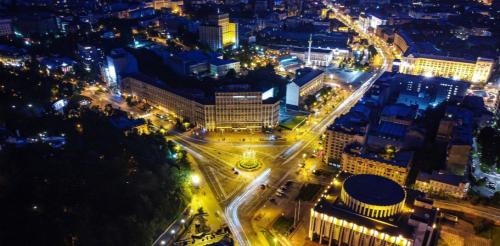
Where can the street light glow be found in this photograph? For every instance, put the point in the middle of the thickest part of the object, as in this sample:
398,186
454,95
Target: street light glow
195,179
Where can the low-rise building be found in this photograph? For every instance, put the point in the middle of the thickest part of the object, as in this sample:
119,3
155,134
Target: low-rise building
392,164
307,82
442,183
220,67
197,63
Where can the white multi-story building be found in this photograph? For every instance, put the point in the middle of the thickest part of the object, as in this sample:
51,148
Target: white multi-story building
307,82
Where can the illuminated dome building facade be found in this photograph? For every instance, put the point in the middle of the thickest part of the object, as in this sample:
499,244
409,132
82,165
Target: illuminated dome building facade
370,210
383,200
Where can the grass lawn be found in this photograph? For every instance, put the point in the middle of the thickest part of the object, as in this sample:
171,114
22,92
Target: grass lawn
308,191
293,122
283,225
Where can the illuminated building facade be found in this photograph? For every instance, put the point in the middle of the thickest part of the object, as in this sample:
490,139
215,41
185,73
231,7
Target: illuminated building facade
372,211
230,108
442,183
307,82
244,111
346,129
426,63
12,56
394,165
118,63
219,32
478,71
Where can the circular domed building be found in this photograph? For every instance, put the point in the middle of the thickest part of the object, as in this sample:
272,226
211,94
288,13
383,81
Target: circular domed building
373,196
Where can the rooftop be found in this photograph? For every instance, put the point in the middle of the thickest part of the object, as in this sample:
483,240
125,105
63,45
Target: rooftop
374,190
400,111
442,177
305,75
396,158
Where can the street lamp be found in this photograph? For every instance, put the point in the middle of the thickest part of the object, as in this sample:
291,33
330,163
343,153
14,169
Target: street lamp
195,179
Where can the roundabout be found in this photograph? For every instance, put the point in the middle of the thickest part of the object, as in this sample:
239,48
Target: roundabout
248,162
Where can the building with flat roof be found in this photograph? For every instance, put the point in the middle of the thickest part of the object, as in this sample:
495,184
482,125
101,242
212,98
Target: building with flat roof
233,107
198,63
307,82
371,210
423,58
391,163
5,27
442,183
399,114
425,91
348,128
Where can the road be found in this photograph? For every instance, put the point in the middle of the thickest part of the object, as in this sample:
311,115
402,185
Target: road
245,232
480,211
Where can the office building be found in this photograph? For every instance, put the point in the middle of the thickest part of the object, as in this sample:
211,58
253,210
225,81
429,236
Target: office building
348,128
423,59
232,107
118,63
307,82
390,163
219,32
424,91
371,210
5,27
90,56
442,183
197,63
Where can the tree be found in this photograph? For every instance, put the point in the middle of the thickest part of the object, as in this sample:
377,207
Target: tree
489,143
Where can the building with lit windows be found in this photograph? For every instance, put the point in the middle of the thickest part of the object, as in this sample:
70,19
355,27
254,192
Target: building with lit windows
425,91
118,63
371,210
6,27
442,183
392,164
219,32
348,128
307,82
232,107
423,59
